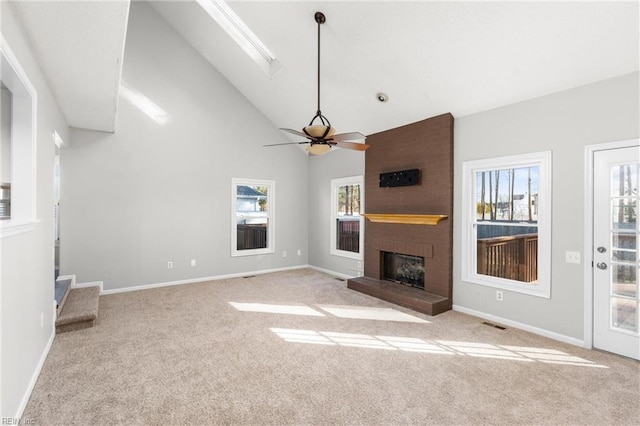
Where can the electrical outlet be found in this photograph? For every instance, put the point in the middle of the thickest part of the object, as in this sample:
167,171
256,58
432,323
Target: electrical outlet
299,252
169,264
41,319
284,254
572,257
193,262
359,265
499,296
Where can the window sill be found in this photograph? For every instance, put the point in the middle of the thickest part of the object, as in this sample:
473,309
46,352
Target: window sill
251,252
539,290
11,228
348,254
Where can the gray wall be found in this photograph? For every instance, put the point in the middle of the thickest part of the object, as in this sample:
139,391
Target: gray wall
564,123
26,272
152,193
335,164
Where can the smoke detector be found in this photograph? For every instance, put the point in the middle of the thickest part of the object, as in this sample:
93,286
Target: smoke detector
382,97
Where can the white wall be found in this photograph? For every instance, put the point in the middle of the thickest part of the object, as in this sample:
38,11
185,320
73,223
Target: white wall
5,135
564,123
153,193
26,277
322,169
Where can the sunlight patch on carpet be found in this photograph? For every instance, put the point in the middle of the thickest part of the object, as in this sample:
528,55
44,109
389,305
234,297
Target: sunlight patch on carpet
552,356
339,311
364,312
413,344
483,350
277,309
302,336
441,347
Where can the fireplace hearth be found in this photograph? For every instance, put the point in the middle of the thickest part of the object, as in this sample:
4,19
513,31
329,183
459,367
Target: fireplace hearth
403,269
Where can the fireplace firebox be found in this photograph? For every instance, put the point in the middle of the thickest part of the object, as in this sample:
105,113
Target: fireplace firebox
403,269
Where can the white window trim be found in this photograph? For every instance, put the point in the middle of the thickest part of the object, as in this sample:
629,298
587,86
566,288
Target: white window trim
271,197
335,184
469,244
23,144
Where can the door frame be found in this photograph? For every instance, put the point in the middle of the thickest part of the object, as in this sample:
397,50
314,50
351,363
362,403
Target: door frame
589,199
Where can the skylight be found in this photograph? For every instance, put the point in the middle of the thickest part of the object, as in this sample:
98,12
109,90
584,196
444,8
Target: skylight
241,34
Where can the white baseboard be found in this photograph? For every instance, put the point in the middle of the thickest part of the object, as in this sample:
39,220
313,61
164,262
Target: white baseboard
35,375
88,284
535,330
198,280
327,271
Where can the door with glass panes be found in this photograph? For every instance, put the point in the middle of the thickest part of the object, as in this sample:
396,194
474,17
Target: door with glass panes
615,255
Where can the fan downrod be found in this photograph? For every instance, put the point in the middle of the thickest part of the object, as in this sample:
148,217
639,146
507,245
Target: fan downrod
321,137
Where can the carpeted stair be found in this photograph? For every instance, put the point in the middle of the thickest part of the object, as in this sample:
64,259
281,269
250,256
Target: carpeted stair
80,309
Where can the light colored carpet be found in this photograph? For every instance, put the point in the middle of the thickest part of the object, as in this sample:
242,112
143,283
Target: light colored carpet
298,347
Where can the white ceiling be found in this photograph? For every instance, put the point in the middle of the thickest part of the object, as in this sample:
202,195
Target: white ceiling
79,46
429,57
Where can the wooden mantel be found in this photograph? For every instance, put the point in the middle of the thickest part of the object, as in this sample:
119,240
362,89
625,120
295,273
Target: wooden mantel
409,219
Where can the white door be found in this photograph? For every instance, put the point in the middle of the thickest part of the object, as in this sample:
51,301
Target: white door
615,257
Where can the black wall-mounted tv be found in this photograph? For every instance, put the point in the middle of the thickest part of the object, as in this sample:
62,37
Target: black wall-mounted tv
400,178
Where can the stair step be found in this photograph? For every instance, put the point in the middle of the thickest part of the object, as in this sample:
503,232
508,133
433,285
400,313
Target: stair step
80,309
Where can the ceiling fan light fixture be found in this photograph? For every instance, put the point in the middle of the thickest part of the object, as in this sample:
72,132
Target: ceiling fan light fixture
319,131
318,149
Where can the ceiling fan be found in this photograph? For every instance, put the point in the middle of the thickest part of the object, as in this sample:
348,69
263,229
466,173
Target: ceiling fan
321,136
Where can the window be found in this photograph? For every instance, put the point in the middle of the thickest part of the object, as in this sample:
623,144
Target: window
347,224
17,147
507,223
252,205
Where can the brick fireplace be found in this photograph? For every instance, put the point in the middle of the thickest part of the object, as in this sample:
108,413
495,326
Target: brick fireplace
414,220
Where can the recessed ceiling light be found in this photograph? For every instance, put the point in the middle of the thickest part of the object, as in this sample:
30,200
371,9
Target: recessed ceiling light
382,97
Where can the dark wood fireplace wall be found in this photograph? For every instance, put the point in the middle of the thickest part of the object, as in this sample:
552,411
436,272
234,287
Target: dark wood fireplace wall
426,145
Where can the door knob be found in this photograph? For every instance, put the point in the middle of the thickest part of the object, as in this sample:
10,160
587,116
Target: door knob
601,265
601,249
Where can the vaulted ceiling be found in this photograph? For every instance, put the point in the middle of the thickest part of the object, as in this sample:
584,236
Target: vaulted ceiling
79,46
429,57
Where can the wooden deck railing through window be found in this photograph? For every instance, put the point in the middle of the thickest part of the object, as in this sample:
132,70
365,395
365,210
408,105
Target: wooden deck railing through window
252,236
349,234
513,257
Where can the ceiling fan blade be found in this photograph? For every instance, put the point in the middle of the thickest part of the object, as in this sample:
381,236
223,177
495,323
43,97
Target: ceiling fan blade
349,137
287,143
350,145
294,132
